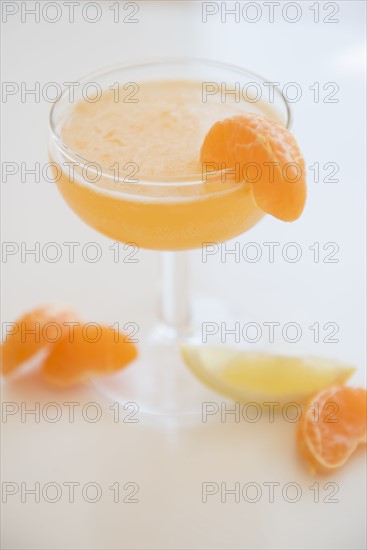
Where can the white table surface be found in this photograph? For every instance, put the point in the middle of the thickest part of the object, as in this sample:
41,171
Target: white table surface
170,463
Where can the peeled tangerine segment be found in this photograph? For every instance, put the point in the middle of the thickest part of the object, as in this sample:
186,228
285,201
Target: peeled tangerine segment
333,425
31,333
78,356
260,377
269,159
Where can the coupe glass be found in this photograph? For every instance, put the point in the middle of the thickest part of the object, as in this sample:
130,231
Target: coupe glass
172,215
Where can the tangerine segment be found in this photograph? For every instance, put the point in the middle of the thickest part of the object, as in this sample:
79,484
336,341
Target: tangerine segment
76,357
332,427
33,331
269,158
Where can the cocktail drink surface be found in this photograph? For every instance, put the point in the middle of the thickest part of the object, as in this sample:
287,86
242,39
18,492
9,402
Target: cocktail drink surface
149,184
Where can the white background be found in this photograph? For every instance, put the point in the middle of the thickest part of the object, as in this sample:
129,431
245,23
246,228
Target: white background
171,463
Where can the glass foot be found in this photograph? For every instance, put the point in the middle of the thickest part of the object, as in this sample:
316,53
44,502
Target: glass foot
159,382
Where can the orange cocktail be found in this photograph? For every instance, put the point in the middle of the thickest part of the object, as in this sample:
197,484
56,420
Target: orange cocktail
128,163
149,186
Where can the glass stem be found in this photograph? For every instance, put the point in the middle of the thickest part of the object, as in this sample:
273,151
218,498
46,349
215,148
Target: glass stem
175,311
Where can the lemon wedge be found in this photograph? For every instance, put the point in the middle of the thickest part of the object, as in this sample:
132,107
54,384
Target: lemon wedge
260,377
